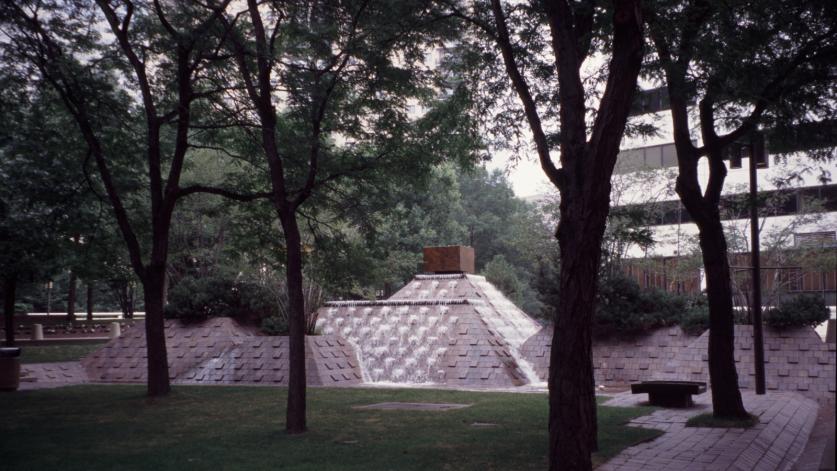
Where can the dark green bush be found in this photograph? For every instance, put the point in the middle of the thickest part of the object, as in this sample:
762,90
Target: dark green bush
624,308
801,311
695,318
275,325
23,308
212,296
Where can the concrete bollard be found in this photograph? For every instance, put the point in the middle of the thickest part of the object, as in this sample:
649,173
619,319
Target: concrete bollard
9,368
37,332
115,330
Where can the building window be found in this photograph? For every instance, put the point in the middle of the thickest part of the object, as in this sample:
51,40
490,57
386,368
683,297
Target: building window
815,239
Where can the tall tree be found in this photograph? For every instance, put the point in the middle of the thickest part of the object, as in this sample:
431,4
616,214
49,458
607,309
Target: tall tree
746,64
161,52
326,86
587,158
44,201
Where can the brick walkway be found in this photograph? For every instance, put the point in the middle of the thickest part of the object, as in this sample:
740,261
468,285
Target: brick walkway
785,422
51,375
821,435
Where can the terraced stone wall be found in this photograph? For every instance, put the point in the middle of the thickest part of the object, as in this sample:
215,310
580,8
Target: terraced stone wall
795,360
219,351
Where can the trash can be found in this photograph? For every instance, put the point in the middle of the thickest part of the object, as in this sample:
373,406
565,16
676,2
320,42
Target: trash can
9,368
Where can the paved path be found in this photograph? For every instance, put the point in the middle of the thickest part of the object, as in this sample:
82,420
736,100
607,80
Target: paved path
775,443
51,375
818,441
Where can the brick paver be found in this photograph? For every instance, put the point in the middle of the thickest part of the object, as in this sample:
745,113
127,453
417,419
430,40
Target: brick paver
822,433
775,443
51,375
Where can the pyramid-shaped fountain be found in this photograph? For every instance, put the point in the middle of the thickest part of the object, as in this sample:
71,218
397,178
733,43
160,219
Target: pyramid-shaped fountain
446,326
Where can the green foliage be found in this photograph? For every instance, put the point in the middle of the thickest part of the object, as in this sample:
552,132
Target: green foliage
22,308
546,284
379,245
695,319
624,308
312,298
801,311
212,296
275,325
502,275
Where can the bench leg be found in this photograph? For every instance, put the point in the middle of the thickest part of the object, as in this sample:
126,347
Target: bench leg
670,400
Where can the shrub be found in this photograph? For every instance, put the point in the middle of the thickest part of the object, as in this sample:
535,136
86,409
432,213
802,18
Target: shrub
275,325
313,298
23,308
200,298
503,275
624,308
695,318
800,311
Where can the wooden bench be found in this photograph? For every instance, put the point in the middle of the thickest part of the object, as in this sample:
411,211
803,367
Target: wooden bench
669,393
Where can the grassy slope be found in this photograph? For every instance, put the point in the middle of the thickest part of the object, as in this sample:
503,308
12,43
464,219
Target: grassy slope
116,427
54,353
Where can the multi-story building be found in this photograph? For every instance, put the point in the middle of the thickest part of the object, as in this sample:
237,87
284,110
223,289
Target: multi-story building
798,212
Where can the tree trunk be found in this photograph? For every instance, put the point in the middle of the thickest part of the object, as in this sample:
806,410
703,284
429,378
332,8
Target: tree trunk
572,398
158,371
9,288
166,282
726,397
89,302
295,415
71,297
129,300
703,205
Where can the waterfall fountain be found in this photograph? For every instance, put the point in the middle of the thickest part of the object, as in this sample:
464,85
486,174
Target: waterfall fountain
470,338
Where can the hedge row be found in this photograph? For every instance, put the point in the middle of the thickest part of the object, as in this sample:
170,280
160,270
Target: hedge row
625,308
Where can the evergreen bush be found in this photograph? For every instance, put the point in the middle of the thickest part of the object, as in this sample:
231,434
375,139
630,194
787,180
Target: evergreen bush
695,319
625,308
196,298
801,311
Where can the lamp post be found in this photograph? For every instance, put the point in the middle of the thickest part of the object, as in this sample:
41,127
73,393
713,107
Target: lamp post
756,154
49,297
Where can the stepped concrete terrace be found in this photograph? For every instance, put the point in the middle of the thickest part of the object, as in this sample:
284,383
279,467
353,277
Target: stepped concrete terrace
455,330
796,360
616,361
219,351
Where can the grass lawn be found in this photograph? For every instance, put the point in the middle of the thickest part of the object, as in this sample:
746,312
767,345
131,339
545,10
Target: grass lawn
116,427
53,353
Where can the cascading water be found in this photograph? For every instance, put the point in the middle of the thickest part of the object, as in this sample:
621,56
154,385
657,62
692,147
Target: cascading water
511,323
392,341
405,339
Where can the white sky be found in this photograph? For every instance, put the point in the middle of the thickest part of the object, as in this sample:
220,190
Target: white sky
525,176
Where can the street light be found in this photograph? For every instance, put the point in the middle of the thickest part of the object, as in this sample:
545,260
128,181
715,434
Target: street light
49,296
758,158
